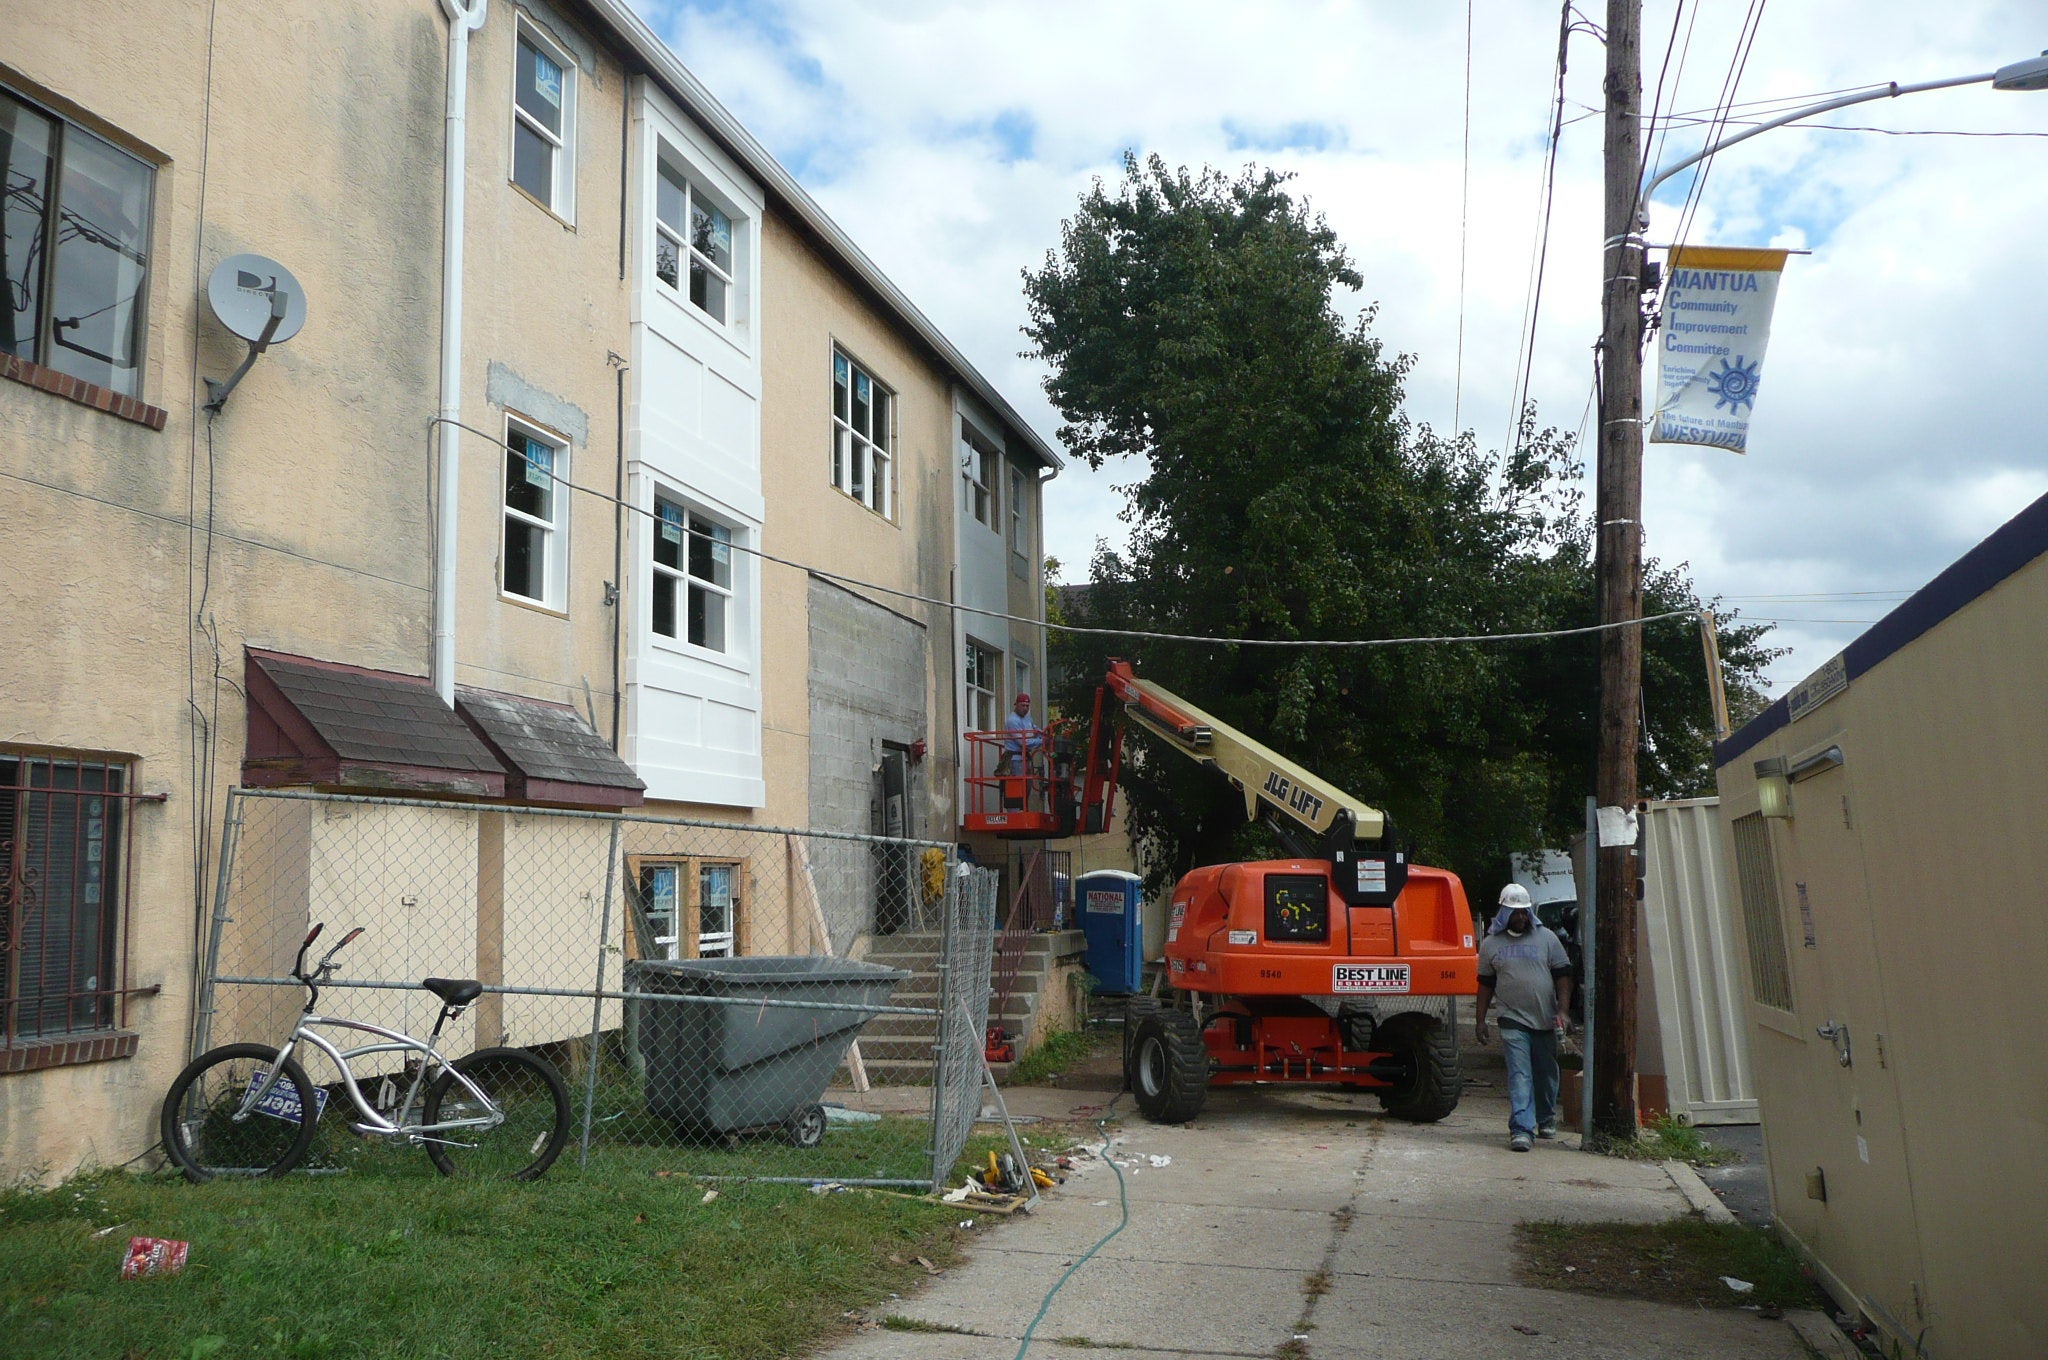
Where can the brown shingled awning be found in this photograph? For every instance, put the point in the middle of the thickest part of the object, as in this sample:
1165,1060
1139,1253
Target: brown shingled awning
322,723
550,752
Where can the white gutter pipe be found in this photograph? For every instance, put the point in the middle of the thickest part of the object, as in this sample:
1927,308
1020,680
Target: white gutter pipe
464,18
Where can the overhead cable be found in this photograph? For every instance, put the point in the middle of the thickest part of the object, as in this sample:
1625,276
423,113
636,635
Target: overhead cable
855,583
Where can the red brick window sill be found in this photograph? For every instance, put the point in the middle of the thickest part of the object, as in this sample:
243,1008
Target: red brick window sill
35,1054
84,393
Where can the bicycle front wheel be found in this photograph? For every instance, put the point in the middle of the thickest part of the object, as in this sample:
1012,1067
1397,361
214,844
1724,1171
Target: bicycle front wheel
206,1135
527,1091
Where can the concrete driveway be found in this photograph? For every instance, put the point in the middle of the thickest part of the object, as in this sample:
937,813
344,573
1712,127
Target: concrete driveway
1305,1224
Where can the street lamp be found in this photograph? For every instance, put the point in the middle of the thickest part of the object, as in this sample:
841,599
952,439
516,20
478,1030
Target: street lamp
1618,517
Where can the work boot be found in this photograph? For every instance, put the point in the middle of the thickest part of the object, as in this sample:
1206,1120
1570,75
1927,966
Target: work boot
1546,1130
1518,1142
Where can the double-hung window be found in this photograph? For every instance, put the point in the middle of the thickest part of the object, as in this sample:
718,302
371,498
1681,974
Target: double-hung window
1020,526
983,675
693,235
544,123
861,411
533,557
693,577
978,475
74,248
63,868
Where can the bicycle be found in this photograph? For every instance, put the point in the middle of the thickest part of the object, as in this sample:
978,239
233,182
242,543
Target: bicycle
241,1109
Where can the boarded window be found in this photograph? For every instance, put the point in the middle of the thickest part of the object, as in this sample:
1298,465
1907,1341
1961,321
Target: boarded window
1763,916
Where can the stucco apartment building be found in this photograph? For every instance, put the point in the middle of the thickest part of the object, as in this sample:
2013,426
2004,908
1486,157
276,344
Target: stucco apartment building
677,416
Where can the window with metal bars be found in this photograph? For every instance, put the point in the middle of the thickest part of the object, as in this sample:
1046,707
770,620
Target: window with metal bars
63,869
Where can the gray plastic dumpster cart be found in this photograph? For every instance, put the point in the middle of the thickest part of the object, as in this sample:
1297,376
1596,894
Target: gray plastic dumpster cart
713,1069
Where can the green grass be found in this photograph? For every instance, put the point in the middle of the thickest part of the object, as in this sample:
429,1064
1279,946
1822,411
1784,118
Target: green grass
391,1260
1667,1138
1053,1054
1680,1261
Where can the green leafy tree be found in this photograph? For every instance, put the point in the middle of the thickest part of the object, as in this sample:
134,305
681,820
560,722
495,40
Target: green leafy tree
1190,324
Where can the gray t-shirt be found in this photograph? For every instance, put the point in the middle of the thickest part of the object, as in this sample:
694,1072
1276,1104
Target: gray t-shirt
1520,973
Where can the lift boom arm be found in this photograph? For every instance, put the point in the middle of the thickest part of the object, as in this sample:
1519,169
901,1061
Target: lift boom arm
1265,777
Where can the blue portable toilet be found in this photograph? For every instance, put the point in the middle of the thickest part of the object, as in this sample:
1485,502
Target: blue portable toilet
1113,920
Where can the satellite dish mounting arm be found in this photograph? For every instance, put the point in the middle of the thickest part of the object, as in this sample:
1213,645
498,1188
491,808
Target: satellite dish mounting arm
217,391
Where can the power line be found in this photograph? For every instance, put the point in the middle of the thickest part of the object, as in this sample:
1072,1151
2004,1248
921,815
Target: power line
855,583
1525,359
1464,223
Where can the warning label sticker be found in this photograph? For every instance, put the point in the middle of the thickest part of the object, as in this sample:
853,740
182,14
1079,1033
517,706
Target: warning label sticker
1369,977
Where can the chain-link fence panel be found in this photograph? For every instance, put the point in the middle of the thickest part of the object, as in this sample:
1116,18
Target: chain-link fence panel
721,999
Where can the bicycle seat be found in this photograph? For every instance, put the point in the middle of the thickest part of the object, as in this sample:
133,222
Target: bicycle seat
454,991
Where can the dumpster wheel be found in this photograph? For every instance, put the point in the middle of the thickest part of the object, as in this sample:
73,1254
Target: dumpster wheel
805,1128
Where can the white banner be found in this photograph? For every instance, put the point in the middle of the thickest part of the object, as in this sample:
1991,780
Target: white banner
1710,350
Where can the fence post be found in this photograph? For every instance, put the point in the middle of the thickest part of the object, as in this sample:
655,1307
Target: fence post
948,912
202,1013
604,939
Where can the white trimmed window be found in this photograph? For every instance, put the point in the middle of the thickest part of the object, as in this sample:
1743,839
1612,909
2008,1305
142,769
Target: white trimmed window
693,235
544,122
693,577
984,673
978,462
861,413
532,560
1020,525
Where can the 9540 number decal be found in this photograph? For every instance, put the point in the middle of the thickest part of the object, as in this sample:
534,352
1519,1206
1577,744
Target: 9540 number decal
1369,977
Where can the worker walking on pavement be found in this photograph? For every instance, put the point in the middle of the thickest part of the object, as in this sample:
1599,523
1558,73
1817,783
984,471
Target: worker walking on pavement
1524,966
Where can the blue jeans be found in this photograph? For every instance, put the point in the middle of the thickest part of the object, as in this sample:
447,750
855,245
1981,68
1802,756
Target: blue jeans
1532,1077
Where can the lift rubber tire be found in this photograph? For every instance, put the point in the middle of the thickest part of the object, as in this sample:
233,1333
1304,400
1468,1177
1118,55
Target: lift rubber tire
1357,1028
1170,1067
1135,1012
1428,1049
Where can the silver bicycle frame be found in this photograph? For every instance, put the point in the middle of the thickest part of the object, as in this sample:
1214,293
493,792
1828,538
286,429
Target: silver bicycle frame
396,1042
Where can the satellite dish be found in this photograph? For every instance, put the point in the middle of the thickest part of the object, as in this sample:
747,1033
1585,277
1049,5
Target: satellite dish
244,290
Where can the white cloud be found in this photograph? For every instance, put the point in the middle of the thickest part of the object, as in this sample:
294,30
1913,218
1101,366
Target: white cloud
1900,417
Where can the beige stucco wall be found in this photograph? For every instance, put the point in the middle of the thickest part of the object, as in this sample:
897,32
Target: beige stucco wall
1919,859
321,147
300,519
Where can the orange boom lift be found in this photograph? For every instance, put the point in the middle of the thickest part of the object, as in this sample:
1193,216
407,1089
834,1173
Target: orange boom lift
1300,971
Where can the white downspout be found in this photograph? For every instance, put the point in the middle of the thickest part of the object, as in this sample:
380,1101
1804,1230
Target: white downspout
464,18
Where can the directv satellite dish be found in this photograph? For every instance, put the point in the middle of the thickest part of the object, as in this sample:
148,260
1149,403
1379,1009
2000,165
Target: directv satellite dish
242,291
256,298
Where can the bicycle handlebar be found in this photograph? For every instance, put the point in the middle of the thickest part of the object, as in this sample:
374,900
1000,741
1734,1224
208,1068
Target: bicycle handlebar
326,960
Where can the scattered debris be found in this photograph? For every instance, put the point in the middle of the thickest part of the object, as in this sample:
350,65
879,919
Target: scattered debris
1739,1286
929,1268
149,1256
828,1188
956,1196
1526,1331
839,1114
709,1195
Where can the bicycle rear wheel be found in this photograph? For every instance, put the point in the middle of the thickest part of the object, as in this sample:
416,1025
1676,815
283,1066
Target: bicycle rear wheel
534,1100
201,1133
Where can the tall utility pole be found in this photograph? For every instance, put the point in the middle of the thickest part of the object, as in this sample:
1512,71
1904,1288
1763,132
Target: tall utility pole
1619,567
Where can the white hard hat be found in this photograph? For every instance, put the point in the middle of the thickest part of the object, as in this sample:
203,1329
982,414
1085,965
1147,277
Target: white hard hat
1514,895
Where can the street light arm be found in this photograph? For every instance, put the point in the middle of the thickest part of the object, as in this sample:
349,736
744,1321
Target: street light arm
1891,91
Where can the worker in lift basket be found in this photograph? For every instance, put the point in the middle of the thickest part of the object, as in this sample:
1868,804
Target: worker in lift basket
1525,966
1023,743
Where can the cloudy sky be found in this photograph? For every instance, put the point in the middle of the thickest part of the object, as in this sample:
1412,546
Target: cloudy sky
1902,409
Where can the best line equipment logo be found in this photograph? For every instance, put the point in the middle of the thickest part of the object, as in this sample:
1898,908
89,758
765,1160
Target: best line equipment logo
1369,977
